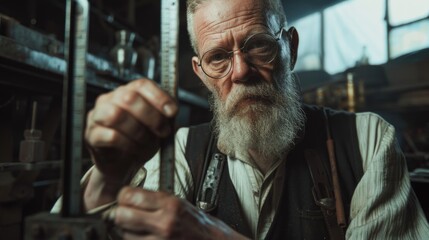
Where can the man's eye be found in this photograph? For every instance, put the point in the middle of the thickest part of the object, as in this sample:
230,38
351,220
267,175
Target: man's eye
257,45
217,56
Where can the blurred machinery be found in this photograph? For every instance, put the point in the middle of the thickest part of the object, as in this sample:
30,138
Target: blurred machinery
347,94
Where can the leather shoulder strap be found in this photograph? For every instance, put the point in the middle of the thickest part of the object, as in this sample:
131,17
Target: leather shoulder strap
349,159
344,134
196,153
323,193
345,161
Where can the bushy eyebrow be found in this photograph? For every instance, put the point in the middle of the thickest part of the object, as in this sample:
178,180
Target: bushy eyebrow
253,31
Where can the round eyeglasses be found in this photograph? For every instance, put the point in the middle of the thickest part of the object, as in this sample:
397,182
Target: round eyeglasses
259,49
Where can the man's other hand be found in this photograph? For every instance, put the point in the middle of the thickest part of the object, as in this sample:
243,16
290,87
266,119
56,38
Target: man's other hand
143,214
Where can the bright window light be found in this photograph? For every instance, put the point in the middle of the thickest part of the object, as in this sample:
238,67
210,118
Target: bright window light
403,11
409,38
355,33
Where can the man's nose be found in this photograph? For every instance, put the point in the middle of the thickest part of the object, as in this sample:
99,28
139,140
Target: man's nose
240,67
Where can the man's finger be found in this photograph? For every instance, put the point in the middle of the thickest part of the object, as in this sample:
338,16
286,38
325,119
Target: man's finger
112,116
132,219
132,102
100,136
155,96
142,199
139,236
159,223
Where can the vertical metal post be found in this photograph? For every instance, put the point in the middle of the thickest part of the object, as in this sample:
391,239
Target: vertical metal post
71,224
74,90
388,28
322,39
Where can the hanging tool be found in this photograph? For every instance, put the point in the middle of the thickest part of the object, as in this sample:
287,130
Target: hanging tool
32,148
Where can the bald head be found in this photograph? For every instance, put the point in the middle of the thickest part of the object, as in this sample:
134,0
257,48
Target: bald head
272,11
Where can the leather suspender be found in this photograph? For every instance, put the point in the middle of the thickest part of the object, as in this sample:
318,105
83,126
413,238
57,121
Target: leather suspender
326,196
323,193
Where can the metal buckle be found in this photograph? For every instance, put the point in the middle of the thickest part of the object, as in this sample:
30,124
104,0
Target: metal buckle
327,203
207,199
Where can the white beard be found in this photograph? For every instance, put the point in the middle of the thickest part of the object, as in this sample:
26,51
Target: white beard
267,125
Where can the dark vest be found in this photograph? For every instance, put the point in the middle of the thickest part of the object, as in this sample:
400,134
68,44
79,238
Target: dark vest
297,216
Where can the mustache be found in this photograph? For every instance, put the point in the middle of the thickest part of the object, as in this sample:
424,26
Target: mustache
264,93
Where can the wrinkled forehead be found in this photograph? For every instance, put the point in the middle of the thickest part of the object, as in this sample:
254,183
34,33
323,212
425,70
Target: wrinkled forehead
218,17
225,8
217,12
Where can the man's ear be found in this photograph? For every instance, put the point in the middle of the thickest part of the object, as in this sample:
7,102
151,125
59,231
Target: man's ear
197,70
293,45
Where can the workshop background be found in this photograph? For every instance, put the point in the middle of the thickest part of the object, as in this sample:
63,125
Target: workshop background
356,55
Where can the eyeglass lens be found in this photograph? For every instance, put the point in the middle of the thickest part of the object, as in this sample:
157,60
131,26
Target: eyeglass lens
259,49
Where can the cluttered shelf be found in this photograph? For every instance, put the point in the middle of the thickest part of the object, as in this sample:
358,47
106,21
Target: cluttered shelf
29,166
43,58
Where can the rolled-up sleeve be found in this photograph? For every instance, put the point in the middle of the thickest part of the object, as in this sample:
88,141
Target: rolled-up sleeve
384,205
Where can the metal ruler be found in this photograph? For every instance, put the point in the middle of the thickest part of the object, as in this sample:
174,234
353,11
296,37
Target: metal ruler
74,91
169,49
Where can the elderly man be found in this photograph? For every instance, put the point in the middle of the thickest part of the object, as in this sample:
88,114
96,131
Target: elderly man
271,147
